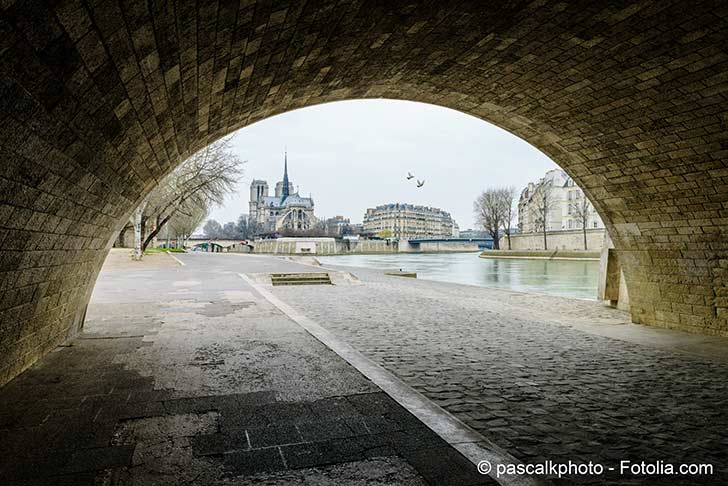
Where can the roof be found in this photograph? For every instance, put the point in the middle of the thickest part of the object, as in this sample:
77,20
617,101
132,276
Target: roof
296,200
271,201
412,207
292,200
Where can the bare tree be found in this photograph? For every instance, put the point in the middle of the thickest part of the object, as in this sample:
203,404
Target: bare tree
489,213
248,227
212,229
544,203
508,204
581,208
182,225
193,188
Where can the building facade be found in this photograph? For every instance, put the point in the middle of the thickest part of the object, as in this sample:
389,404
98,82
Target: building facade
337,226
287,210
565,203
407,221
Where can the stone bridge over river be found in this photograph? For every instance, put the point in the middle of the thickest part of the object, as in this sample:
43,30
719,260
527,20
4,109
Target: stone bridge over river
99,100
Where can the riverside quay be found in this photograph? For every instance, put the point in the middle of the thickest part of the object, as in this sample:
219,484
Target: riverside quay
240,369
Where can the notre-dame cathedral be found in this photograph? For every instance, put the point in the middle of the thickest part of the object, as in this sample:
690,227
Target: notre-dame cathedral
285,210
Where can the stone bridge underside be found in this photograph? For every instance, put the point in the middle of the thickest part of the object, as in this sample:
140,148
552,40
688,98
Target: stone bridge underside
100,99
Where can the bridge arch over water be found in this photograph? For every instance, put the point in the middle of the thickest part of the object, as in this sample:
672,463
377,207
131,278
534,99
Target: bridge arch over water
100,101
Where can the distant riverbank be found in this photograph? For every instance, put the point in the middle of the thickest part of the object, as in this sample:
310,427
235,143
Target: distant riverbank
543,254
577,279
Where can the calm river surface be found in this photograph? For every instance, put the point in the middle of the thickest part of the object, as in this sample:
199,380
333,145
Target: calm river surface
563,278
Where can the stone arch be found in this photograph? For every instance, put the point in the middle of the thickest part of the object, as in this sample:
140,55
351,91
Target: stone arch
99,100
209,246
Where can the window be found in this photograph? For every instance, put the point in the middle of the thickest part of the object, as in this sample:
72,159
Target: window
595,224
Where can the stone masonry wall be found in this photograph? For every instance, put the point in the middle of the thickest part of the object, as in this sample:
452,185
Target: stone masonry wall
434,247
557,240
99,100
326,247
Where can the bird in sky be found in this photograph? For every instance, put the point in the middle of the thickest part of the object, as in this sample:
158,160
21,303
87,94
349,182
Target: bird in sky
420,183
409,175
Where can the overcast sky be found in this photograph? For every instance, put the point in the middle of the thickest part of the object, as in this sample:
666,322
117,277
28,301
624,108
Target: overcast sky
352,155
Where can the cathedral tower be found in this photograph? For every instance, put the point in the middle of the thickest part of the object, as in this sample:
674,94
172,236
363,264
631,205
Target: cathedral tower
286,188
258,190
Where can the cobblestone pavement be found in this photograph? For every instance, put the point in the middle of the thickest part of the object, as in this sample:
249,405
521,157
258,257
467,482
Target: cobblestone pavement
518,369
184,375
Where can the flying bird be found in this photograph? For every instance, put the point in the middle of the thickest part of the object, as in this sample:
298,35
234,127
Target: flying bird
409,175
420,183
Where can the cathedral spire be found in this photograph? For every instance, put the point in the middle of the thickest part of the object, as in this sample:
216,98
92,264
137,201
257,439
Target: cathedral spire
285,175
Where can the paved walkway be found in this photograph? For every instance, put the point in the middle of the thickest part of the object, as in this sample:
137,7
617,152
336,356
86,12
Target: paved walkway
539,375
185,375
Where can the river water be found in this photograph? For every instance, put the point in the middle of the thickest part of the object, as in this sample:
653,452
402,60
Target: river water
558,277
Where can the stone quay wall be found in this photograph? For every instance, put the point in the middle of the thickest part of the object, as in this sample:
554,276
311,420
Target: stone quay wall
439,247
323,246
557,240
329,246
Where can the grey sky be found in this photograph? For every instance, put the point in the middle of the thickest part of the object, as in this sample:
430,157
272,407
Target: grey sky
352,155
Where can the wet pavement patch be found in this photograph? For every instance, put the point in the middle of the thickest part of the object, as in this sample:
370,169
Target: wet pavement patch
377,471
235,436
133,431
299,435
222,308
